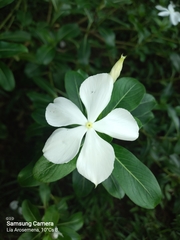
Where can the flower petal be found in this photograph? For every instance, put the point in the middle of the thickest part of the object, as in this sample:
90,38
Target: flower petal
163,14
96,159
160,8
14,205
119,124
63,112
63,144
95,93
171,7
175,18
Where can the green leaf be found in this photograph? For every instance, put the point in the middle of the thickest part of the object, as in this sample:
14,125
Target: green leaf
43,84
39,99
75,222
177,147
143,111
113,3
3,131
82,73
175,59
146,118
81,185
138,122
24,17
28,236
36,130
146,105
44,192
52,214
17,36
127,93
47,237
61,9
174,117
62,207
33,70
45,35
84,52
177,109
45,54
136,179
107,138
25,177
30,212
39,116
68,234
5,2
7,81
10,49
68,31
73,81
112,186
46,171
55,4
108,36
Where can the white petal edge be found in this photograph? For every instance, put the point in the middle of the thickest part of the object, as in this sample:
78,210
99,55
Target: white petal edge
63,112
171,8
95,93
63,144
96,159
163,14
160,8
119,124
175,18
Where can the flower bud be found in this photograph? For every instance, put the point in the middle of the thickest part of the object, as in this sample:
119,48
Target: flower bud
116,70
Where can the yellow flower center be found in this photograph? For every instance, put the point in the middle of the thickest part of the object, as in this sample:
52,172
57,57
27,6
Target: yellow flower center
89,125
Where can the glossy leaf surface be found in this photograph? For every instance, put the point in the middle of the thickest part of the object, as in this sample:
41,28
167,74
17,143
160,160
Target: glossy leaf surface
137,181
127,93
46,171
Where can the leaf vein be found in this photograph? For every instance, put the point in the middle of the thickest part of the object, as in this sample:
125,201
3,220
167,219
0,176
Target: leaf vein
124,96
133,176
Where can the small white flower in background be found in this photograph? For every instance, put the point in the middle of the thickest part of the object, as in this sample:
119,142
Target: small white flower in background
96,158
56,233
62,44
173,15
20,210
13,205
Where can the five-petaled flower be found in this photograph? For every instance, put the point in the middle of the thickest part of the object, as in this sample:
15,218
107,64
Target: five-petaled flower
96,157
173,15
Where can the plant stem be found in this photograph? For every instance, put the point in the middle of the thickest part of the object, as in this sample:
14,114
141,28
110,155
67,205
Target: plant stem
10,14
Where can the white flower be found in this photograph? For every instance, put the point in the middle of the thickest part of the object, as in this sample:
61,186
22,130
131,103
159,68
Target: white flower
96,158
56,233
20,210
174,16
13,205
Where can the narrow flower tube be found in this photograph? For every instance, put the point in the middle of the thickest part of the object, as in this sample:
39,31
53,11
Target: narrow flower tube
116,70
